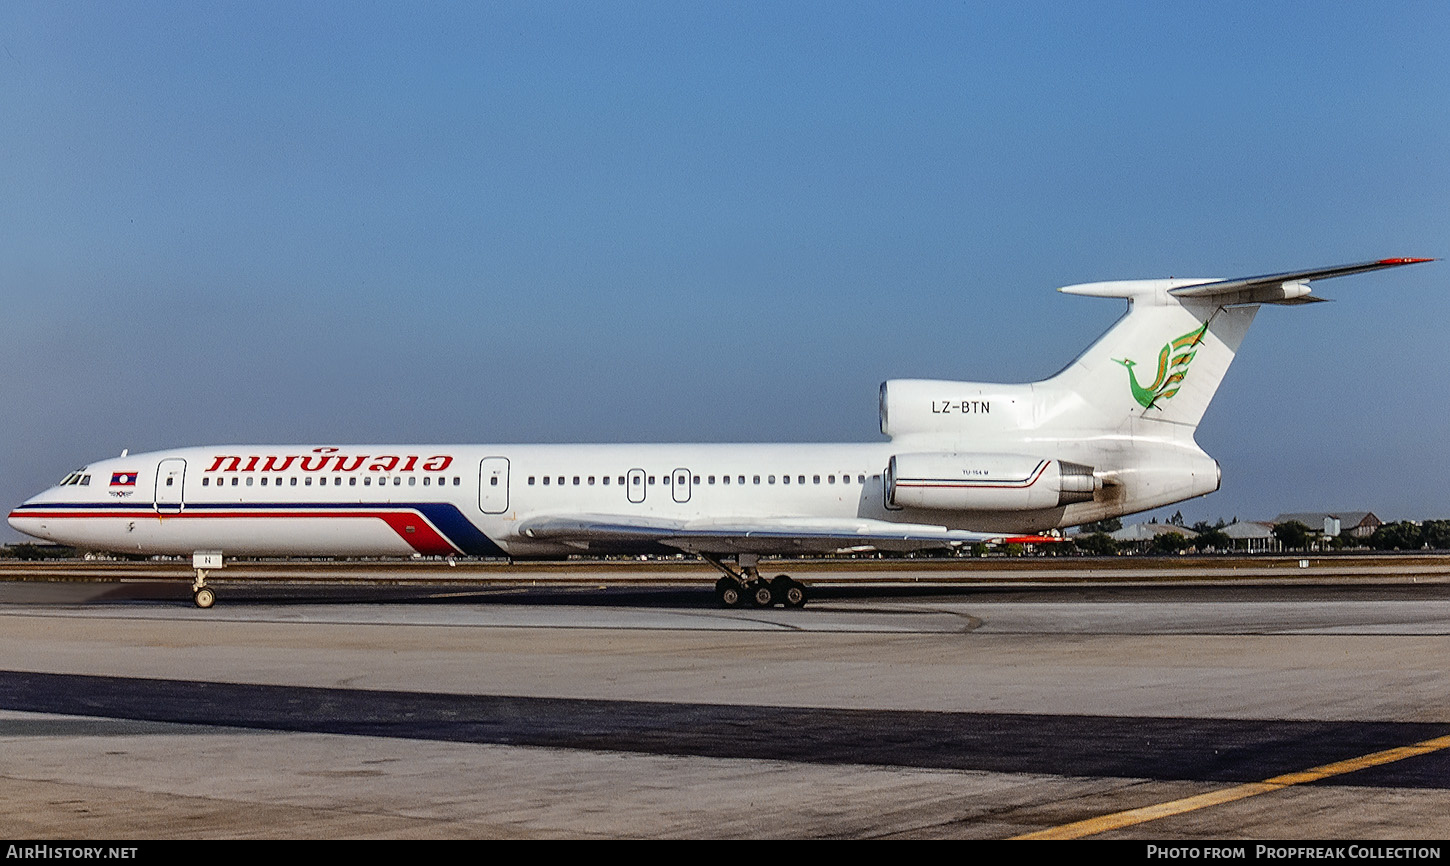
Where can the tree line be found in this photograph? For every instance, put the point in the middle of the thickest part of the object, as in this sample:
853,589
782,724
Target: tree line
1094,538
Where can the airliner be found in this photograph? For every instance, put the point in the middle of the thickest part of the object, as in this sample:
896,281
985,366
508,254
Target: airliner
963,463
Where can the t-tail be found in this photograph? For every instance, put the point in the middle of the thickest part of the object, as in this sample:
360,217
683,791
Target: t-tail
1163,362
1126,408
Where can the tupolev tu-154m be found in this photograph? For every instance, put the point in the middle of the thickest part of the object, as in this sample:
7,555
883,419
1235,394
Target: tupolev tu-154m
963,462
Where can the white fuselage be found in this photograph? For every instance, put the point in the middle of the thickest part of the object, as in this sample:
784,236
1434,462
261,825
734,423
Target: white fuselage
434,500
473,499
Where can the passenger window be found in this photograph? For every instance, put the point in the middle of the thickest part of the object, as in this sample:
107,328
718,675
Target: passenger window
352,482
205,482
493,482
770,479
591,480
531,481
757,479
815,479
785,479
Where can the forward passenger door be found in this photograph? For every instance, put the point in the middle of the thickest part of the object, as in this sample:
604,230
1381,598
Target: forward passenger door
170,476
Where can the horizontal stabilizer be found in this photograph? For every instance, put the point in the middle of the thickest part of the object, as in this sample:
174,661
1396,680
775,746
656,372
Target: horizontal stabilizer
1286,288
1291,287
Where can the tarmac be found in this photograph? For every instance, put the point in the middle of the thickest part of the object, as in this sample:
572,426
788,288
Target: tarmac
1178,699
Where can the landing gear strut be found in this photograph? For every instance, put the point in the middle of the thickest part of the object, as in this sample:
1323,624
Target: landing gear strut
743,585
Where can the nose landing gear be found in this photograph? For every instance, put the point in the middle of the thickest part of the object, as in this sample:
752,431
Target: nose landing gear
204,560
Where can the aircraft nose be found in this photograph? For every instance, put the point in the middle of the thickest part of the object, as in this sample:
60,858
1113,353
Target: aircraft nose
22,521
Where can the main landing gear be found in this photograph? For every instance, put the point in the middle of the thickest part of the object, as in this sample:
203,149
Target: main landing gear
744,586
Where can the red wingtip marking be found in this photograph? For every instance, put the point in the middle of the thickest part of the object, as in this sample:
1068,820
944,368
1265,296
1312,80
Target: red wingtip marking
1403,261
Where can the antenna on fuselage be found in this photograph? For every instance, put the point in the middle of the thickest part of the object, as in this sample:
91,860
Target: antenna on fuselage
125,451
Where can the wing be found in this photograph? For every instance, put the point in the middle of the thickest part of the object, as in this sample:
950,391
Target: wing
613,532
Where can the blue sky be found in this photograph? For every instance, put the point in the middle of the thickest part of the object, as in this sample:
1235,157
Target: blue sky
500,222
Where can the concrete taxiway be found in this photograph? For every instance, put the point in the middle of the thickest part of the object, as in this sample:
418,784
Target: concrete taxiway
1305,703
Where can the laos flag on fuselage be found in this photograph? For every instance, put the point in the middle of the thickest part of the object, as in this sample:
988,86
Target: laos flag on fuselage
123,479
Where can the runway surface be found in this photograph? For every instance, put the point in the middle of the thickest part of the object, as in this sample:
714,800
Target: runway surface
1312,708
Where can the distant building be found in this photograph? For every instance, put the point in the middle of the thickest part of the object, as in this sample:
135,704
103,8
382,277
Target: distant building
1356,524
1142,534
1253,536
1149,531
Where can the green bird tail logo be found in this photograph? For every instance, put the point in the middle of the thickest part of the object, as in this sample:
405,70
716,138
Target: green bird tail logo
1172,367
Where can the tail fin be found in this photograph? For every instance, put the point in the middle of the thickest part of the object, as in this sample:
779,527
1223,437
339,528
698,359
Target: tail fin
1164,360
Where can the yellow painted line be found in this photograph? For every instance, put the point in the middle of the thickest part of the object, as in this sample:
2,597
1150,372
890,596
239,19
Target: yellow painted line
1130,817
